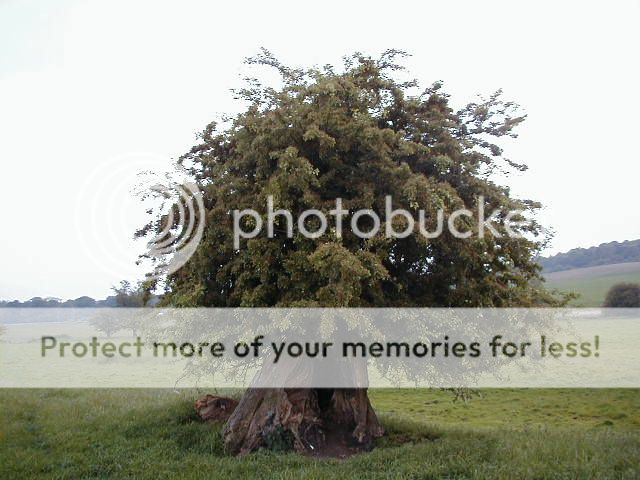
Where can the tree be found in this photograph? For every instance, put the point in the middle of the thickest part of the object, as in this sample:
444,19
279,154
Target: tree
130,296
623,295
357,134
82,302
126,296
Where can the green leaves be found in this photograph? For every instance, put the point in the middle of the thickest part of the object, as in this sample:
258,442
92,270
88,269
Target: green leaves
357,134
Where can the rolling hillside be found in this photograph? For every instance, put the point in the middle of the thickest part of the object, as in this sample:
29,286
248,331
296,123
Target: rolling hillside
592,283
603,254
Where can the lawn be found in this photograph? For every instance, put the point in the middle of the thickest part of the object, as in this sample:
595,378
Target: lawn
506,434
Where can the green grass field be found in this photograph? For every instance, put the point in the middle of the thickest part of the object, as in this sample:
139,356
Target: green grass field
506,434
593,283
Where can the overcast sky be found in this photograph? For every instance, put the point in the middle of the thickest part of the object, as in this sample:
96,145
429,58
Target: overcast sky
87,86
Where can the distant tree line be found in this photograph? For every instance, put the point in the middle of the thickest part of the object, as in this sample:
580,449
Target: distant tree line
125,295
604,254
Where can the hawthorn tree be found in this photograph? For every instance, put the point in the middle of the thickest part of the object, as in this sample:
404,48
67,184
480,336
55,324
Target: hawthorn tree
358,134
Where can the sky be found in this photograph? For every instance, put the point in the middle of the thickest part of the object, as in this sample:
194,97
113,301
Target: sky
91,88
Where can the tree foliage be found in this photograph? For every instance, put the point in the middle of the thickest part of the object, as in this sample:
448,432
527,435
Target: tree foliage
623,295
358,134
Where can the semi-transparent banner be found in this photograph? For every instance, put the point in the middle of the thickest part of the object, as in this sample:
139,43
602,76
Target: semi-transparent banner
318,348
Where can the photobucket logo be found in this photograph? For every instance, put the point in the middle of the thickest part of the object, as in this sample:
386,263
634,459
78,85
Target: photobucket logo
183,228
123,194
249,223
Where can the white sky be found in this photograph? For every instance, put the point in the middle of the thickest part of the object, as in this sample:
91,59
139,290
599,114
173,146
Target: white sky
85,85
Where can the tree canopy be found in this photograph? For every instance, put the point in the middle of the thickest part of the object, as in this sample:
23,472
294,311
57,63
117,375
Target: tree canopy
359,134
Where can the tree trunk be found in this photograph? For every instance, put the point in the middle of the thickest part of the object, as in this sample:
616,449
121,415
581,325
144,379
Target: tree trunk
310,419
320,421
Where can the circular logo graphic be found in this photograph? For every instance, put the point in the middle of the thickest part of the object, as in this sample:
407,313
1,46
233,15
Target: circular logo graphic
139,207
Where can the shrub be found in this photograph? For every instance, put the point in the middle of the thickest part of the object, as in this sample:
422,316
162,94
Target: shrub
623,295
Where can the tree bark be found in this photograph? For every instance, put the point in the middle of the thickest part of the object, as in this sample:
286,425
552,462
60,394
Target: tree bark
312,416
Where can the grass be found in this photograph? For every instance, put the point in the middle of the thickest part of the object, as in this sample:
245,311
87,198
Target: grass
593,283
506,434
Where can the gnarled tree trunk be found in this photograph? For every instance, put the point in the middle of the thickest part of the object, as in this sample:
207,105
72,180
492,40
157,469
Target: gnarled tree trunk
315,418
320,421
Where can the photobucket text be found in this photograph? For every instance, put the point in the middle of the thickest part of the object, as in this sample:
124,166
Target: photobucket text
249,223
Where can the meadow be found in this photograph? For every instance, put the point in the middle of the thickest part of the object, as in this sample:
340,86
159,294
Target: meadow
593,283
504,434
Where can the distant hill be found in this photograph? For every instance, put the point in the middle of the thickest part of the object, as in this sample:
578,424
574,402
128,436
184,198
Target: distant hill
80,302
51,302
593,283
604,254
